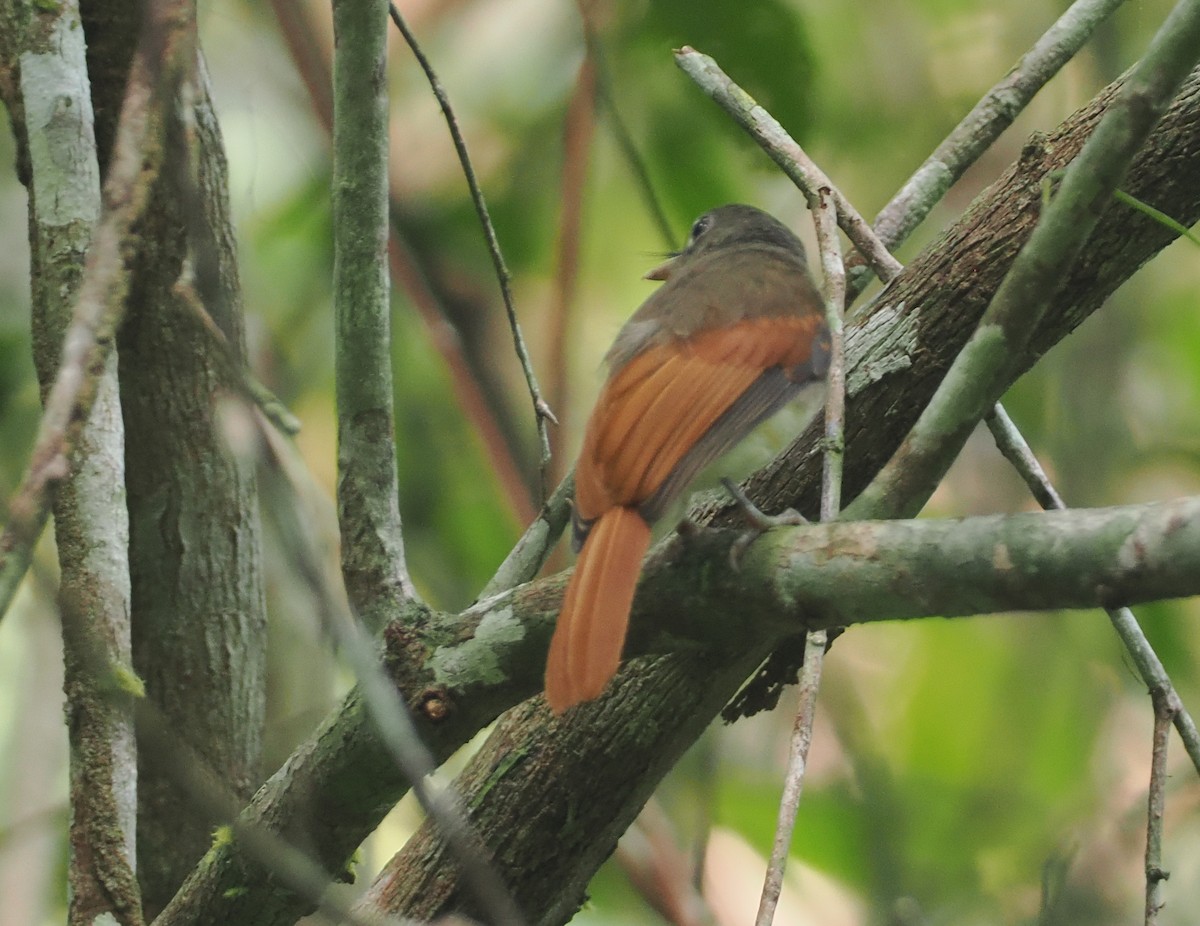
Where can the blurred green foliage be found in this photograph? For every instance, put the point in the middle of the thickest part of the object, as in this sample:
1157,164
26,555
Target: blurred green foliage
954,760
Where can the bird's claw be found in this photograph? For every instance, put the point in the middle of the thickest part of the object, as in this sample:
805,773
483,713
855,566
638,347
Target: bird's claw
759,522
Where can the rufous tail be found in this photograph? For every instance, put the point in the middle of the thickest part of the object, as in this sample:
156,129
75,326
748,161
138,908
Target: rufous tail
587,643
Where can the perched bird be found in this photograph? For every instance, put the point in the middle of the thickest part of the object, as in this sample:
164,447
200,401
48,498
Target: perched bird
736,331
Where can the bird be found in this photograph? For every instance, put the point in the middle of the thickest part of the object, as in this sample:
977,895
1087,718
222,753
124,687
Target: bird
735,331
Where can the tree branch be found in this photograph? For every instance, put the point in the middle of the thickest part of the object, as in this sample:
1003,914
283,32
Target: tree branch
425,282
816,641
1156,807
137,159
988,118
373,561
1012,445
91,521
784,151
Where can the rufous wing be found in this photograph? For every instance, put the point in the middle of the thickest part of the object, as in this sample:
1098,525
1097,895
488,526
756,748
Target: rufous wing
661,417
677,406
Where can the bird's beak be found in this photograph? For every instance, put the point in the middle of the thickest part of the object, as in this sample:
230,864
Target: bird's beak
663,270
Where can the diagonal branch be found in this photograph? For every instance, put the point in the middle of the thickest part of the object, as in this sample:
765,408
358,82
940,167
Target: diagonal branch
1012,444
988,118
542,413
984,369
783,150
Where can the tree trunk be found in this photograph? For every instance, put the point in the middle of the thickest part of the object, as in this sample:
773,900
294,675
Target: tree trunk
199,621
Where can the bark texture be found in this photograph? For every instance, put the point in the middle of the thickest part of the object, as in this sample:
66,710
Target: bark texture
198,606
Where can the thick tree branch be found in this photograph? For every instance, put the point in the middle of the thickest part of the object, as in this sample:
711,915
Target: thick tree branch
477,664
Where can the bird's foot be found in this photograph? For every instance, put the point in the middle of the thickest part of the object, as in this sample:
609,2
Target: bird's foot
759,522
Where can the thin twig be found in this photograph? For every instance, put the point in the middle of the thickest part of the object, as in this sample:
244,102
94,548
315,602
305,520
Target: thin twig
1156,806
622,135
784,151
994,113
541,410
1017,451
961,148
834,293
237,373
810,680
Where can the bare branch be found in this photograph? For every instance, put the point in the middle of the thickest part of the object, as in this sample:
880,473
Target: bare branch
373,561
1156,806
578,128
834,292
783,150
988,118
620,131
810,681
1012,444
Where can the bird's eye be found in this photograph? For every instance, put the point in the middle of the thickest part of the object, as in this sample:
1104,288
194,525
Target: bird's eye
699,227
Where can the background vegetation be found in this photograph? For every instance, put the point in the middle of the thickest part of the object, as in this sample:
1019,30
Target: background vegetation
959,767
